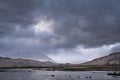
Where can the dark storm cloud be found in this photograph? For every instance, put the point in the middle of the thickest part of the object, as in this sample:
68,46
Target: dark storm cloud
91,23
14,13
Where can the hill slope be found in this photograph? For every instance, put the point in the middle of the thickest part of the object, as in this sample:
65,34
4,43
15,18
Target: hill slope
113,58
9,62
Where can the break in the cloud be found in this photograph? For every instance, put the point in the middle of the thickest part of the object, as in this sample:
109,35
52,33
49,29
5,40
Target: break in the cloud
58,27
80,54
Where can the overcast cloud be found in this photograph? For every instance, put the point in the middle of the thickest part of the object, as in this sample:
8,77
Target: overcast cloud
65,30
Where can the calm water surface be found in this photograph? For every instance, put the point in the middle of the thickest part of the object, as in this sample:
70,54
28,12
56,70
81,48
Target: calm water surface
55,75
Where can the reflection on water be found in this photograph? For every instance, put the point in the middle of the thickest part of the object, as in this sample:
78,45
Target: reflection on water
27,74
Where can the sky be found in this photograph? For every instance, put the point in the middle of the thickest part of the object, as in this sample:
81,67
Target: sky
67,31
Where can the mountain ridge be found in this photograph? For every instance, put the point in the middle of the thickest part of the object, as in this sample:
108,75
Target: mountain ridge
13,62
113,58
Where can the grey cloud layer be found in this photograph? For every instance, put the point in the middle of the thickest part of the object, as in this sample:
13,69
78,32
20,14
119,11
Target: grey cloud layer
90,23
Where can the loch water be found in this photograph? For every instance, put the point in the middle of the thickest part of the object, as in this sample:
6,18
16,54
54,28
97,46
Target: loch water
28,74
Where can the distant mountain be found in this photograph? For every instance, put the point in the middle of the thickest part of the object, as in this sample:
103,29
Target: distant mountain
33,56
9,62
113,58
